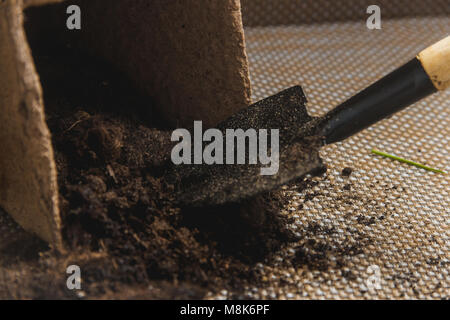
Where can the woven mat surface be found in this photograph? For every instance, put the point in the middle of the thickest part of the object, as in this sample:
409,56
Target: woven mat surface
295,12
382,232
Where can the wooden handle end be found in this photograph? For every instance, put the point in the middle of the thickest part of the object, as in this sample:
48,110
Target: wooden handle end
436,62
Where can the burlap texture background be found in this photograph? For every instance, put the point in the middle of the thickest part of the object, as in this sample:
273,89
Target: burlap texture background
296,12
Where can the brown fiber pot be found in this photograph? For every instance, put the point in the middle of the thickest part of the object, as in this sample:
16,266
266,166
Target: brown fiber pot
187,55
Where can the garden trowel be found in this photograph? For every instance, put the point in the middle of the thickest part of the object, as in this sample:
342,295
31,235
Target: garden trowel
301,136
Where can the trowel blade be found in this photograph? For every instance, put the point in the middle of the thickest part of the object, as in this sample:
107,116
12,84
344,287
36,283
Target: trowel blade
218,184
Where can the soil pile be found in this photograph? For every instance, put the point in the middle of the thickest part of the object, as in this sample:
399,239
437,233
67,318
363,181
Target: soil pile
120,221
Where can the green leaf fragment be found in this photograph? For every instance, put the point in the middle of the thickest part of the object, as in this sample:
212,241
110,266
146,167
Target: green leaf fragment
387,155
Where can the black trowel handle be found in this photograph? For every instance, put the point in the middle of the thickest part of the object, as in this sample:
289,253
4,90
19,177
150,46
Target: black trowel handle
420,77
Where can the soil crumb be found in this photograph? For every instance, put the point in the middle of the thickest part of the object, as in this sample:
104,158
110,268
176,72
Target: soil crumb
346,172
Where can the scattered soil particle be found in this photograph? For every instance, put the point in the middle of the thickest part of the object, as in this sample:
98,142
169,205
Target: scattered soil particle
314,260
366,220
346,172
320,171
311,196
434,261
317,254
318,229
348,274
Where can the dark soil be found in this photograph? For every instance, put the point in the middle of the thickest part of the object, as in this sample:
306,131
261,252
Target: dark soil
346,172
